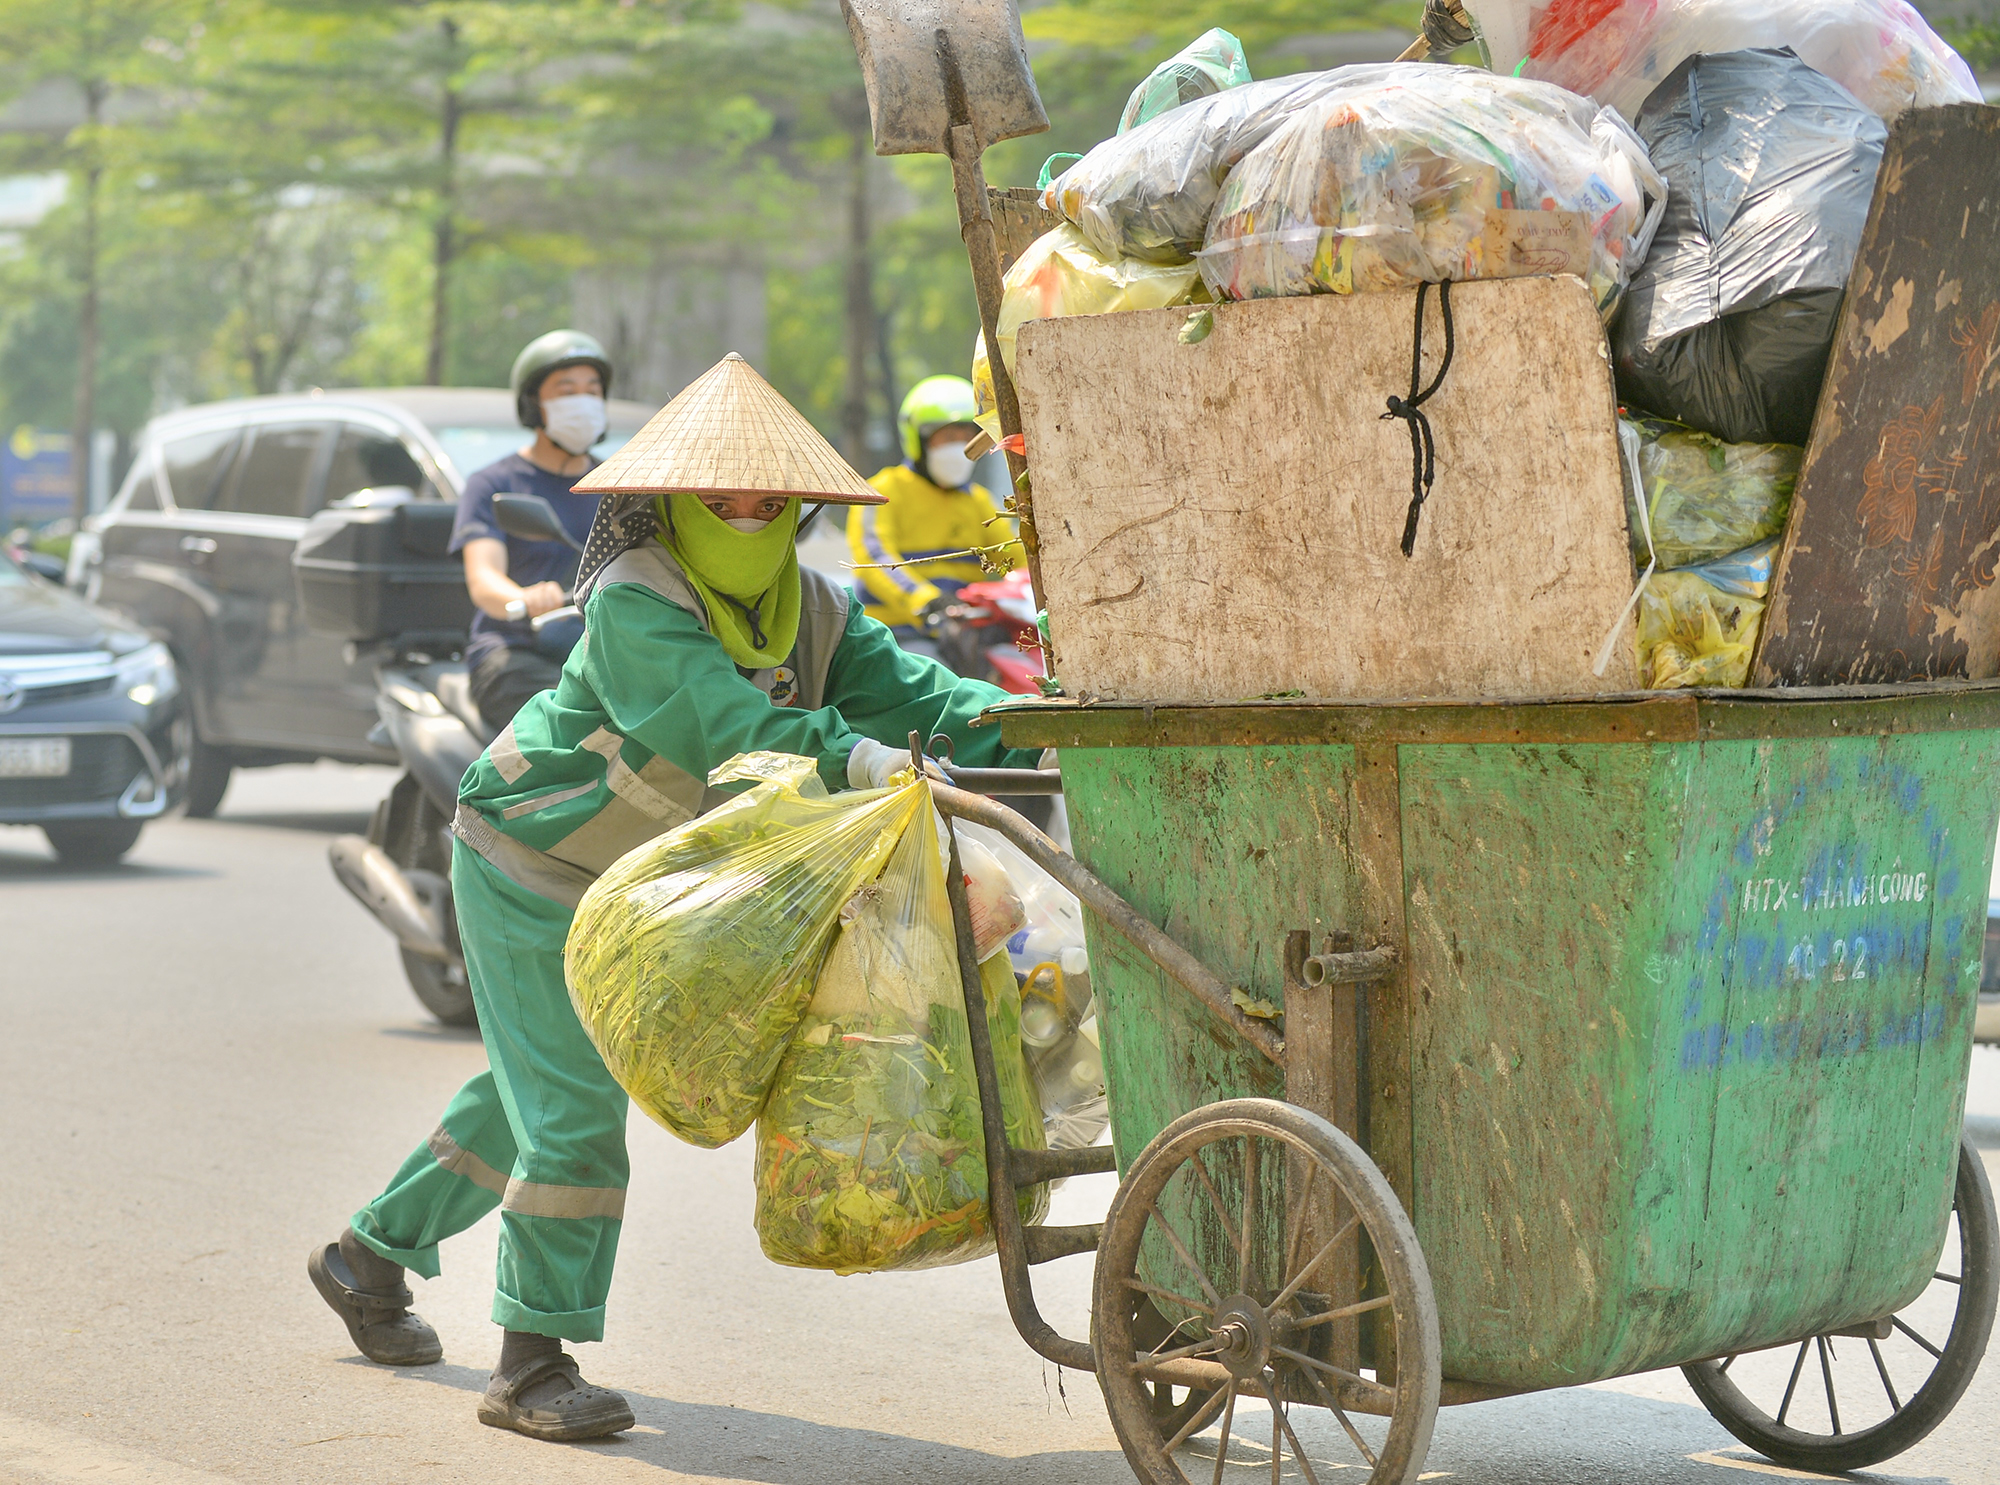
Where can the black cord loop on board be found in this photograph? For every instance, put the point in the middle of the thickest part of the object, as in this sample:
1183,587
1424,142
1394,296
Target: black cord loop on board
1423,451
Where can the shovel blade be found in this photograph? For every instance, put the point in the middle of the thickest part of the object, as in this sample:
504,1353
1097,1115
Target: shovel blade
931,64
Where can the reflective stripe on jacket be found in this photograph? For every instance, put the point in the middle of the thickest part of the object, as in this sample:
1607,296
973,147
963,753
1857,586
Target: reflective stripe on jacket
648,704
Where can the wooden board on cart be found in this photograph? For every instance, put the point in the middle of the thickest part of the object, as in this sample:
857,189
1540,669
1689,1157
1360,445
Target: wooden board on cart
1222,519
1887,572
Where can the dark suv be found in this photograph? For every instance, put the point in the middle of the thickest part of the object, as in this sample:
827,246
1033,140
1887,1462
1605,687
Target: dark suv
197,547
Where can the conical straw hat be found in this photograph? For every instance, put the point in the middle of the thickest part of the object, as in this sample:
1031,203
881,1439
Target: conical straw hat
729,431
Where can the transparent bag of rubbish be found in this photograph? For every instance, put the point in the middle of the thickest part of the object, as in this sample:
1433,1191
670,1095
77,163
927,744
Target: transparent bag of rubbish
1618,51
691,960
1051,960
1698,626
1061,274
870,1150
1207,65
1435,173
1706,498
1148,194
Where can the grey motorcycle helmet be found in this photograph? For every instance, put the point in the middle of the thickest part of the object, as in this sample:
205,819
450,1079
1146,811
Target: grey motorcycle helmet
550,353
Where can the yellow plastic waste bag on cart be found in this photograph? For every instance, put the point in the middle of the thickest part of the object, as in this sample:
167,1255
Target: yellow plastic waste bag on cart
1698,626
870,1150
691,960
1061,274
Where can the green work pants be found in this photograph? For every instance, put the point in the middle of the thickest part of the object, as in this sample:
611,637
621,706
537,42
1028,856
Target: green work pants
540,1133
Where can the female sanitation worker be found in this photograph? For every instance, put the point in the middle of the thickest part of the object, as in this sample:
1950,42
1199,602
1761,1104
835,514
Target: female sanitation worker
704,638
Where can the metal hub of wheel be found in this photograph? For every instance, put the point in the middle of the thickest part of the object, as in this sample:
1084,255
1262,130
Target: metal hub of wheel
1254,1251
1242,1333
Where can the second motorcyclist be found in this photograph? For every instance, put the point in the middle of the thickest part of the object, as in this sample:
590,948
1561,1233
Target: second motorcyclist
560,382
902,550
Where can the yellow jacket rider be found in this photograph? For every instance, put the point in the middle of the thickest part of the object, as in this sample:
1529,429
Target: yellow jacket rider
934,508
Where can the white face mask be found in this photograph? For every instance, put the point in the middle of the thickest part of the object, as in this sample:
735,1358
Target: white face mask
747,524
573,424
948,466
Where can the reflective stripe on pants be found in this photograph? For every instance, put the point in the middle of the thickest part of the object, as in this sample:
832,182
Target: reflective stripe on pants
540,1134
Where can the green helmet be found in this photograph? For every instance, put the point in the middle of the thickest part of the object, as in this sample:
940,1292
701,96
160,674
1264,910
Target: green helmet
933,403
547,353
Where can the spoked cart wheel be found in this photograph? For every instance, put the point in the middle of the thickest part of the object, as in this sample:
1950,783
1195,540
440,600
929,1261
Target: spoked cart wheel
1896,1378
1296,1219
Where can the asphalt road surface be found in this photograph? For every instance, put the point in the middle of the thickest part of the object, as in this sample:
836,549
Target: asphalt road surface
210,1060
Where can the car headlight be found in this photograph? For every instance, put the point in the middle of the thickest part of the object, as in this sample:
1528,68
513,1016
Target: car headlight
147,676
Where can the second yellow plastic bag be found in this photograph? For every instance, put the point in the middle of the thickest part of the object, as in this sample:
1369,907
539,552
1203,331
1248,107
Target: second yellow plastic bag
691,960
870,1151
1061,274
1698,626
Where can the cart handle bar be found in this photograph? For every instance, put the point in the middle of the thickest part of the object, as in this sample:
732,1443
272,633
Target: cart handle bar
1005,780
1176,962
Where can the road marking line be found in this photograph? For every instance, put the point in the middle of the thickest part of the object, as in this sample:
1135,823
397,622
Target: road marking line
1759,1467
56,1454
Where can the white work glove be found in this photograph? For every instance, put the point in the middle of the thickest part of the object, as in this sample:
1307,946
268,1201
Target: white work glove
874,765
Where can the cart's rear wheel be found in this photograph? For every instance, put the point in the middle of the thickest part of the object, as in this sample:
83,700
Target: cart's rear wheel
1843,1378
1255,1317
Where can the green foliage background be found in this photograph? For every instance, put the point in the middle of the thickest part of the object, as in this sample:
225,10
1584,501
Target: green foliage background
271,180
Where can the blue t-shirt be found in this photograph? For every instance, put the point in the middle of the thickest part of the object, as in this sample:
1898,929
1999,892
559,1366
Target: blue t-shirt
528,562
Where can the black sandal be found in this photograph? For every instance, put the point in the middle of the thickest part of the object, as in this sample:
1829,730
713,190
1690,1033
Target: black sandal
583,1412
378,1320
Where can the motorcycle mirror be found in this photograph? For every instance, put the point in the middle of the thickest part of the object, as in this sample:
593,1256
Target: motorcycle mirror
531,518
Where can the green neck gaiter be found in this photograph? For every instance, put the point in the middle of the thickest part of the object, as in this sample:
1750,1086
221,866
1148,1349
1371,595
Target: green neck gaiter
749,580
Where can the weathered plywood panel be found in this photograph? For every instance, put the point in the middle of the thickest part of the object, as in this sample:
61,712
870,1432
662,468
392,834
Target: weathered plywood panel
1223,519
1888,564
1018,219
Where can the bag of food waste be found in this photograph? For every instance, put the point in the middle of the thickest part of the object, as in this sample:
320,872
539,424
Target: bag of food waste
1618,51
1051,960
870,1151
692,959
1706,498
1060,274
1148,194
1698,626
1771,168
1431,173
1207,65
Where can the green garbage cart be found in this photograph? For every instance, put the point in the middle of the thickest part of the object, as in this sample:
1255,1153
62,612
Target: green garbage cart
1459,1050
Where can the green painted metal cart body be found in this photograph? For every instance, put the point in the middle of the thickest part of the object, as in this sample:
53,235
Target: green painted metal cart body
1673,1061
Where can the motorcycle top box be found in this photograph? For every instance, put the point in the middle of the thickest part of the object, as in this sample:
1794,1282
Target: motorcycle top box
376,568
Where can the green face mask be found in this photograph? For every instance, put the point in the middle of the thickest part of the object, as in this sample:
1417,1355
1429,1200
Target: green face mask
749,580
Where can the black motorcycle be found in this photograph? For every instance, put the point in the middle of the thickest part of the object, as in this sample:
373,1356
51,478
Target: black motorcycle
401,869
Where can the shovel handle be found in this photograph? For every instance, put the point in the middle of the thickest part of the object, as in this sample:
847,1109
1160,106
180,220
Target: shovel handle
982,248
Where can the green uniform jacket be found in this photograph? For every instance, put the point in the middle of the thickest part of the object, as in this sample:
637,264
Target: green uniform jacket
648,704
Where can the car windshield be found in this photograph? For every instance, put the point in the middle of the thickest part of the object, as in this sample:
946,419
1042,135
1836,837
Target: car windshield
10,575
471,447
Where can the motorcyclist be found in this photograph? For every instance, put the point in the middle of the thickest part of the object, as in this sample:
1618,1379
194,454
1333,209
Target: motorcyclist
933,507
560,381
706,638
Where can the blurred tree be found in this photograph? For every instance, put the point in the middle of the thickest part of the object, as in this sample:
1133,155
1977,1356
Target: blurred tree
64,66
403,106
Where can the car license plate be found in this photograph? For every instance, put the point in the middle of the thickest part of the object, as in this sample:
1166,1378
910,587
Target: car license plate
34,757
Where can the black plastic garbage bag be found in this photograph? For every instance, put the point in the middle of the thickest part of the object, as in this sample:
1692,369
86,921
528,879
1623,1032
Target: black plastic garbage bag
1770,168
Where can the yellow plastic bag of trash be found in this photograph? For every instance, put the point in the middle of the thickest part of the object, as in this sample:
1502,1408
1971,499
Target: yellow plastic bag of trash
1061,274
1698,626
870,1150
691,960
